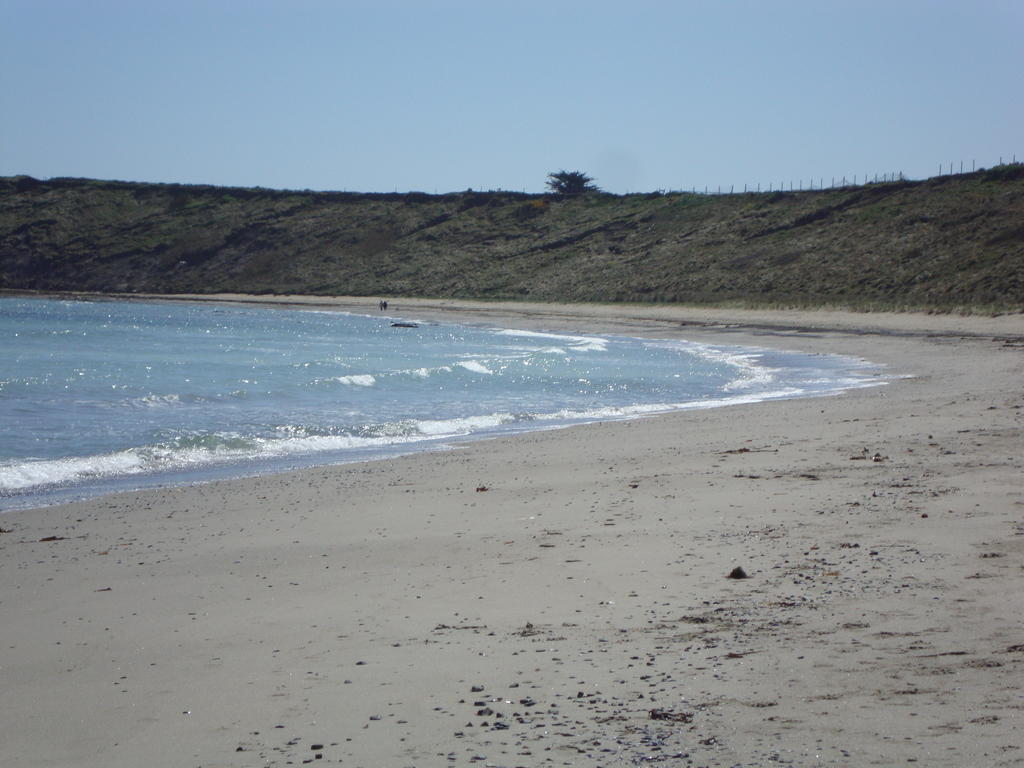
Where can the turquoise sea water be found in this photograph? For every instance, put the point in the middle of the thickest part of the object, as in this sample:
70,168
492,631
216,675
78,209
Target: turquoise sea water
98,396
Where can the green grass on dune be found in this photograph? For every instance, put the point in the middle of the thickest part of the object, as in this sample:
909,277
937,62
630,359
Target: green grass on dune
951,244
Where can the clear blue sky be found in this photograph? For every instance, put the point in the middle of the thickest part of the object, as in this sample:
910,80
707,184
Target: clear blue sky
443,95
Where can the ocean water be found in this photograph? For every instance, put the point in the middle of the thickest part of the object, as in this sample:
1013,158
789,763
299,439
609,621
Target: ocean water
100,396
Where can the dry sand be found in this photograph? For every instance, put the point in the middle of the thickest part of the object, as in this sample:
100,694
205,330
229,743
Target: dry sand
561,598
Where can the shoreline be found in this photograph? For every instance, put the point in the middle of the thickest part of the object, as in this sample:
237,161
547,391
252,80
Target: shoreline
578,576
542,317
610,315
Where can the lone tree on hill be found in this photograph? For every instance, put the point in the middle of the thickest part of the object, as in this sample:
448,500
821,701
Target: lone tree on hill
570,183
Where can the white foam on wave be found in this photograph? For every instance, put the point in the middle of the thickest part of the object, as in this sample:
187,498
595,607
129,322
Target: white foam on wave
209,450
278,447
357,380
535,350
578,343
157,401
424,373
475,366
613,413
45,472
463,426
749,365
752,375
24,475
604,413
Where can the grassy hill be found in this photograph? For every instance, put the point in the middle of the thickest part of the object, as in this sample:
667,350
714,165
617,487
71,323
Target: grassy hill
948,243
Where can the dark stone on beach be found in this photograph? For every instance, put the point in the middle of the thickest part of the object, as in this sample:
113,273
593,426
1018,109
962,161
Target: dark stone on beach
738,573
675,717
316,747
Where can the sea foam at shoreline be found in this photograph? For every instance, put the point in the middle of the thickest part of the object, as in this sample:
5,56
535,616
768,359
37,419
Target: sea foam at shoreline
104,396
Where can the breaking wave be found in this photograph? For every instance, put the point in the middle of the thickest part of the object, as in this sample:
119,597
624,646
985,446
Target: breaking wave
158,392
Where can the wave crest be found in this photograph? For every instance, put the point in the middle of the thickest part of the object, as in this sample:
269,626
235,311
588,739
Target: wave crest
358,380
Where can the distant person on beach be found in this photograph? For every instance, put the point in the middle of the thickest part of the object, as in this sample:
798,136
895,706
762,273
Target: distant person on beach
383,305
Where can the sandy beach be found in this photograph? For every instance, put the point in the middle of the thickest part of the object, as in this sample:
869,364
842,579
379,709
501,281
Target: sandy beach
564,598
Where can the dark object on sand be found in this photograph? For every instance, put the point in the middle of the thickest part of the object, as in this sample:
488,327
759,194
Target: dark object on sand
738,573
675,717
404,325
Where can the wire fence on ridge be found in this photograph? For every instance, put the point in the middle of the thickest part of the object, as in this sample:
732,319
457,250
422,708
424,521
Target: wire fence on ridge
953,168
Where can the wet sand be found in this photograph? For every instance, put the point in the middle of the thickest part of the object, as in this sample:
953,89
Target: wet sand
562,597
